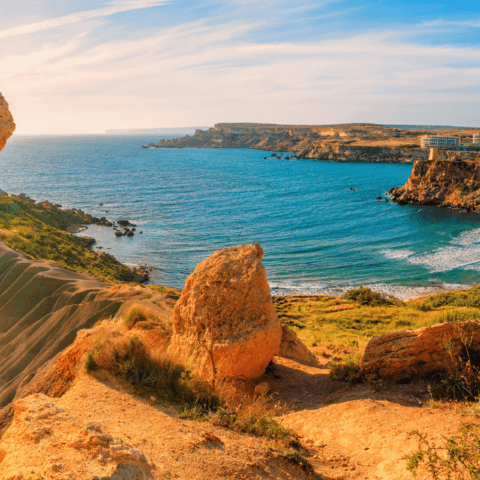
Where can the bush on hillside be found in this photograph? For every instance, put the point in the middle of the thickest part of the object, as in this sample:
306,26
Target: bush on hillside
348,370
138,314
365,296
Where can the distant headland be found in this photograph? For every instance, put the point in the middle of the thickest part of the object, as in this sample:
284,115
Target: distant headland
351,142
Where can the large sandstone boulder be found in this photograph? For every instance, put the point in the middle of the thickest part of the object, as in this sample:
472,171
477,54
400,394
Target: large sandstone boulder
404,355
230,291
46,442
6,122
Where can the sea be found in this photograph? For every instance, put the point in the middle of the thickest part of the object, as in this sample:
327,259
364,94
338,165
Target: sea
319,223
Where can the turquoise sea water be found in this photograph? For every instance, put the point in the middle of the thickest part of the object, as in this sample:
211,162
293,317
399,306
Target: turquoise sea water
318,235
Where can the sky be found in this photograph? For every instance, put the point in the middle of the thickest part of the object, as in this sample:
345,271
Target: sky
85,66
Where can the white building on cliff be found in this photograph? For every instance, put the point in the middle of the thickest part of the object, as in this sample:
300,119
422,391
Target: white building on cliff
439,142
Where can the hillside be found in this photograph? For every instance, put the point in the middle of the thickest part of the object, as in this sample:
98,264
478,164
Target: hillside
341,143
42,307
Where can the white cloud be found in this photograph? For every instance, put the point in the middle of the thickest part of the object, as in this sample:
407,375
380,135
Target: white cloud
115,7
201,74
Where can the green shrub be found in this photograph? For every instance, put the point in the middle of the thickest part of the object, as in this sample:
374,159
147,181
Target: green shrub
348,370
365,296
90,363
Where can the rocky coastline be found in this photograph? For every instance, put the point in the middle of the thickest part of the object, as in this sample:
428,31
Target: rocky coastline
334,143
445,183
45,217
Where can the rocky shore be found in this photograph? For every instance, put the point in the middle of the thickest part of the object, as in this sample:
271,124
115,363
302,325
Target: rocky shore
335,143
445,183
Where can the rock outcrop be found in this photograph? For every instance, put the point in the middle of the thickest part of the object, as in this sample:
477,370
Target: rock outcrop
292,347
6,122
45,442
227,296
444,183
410,353
335,143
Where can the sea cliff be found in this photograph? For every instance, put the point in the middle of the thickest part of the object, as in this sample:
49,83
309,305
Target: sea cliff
444,183
336,143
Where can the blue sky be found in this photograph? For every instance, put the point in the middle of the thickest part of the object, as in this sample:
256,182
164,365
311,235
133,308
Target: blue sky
84,66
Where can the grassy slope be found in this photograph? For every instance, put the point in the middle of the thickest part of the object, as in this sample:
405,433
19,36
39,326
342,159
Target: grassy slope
39,231
338,321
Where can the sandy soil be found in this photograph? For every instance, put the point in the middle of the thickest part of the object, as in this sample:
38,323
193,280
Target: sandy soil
178,448
362,431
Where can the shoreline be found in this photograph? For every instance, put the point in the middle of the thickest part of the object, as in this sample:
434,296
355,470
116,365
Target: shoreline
144,270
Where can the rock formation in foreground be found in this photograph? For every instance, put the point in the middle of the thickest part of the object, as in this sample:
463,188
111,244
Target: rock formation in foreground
411,353
292,347
444,183
55,446
6,122
230,291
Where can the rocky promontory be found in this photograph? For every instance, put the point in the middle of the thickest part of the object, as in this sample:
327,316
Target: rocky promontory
446,183
335,143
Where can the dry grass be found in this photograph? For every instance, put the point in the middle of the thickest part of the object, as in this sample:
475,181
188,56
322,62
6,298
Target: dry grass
152,373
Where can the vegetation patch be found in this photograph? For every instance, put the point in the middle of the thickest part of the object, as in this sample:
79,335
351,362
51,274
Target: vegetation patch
38,231
176,385
345,323
365,296
138,314
457,458
349,369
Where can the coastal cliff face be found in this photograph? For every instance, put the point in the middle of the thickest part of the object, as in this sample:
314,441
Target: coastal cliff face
6,122
442,182
335,143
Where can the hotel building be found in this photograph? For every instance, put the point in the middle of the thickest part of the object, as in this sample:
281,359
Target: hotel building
439,142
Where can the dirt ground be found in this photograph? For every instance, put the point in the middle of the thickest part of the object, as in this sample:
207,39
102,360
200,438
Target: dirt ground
361,431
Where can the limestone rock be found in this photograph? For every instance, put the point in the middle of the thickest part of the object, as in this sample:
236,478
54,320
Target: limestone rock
403,355
442,182
230,288
292,347
45,442
6,122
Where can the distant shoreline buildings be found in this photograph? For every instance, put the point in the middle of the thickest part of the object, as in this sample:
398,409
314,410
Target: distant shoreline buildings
439,142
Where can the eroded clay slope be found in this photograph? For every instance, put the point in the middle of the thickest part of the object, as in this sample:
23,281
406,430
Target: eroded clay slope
42,306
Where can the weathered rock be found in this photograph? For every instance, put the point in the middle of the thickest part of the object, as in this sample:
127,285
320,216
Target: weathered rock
442,182
262,388
292,347
45,442
410,353
230,289
7,126
124,223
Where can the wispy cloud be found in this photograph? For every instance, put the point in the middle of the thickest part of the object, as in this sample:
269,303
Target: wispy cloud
224,67
117,6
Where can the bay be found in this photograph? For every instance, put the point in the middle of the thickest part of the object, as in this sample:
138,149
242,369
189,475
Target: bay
318,235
